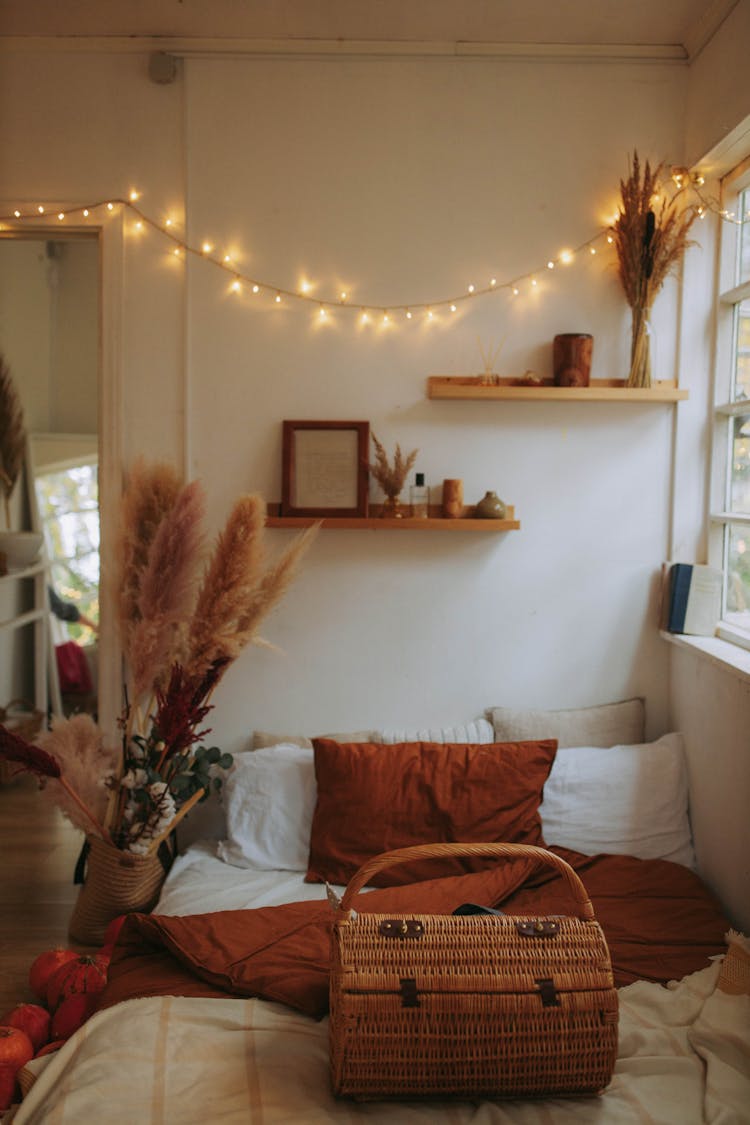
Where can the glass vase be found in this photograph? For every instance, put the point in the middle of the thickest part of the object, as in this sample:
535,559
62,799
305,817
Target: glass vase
641,347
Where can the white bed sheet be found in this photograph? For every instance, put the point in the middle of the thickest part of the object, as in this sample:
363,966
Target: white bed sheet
200,883
683,1059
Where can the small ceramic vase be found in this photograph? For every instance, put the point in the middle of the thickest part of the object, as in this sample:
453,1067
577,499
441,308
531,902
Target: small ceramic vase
490,507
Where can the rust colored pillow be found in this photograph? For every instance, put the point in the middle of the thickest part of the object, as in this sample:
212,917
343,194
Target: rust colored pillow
373,798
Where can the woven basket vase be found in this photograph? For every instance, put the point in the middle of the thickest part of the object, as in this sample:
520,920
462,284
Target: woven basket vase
117,882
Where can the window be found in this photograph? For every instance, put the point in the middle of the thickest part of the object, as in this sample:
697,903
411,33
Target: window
730,516
69,512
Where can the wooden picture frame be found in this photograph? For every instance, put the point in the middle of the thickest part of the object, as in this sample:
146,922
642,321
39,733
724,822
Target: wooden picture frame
324,468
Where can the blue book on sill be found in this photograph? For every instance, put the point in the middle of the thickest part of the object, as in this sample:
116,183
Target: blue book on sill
694,599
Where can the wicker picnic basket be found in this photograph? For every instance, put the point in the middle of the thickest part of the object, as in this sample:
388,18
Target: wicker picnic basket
470,1005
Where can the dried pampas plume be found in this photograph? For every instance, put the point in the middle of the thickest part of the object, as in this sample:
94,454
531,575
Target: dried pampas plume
391,477
77,745
167,591
12,436
150,493
239,588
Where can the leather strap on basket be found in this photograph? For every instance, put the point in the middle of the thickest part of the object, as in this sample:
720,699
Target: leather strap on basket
584,909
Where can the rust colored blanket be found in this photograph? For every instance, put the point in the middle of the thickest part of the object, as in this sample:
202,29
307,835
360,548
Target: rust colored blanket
659,919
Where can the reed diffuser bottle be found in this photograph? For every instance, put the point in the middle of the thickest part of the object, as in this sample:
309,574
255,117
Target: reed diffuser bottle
419,498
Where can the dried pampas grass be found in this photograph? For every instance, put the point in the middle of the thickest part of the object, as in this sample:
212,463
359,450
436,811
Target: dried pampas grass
166,591
391,477
12,436
150,493
239,588
649,245
87,768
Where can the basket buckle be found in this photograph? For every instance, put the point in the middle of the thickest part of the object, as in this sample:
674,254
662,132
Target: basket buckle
401,928
538,927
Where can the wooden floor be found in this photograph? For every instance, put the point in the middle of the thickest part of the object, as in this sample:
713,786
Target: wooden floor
38,852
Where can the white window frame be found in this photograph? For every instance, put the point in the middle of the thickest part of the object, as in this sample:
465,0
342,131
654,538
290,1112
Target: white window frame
729,294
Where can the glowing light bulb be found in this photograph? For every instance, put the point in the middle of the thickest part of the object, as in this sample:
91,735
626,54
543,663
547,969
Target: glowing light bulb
206,247
493,281
110,206
408,314
550,265
470,288
236,286
386,318
343,296
305,286
256,289
277,298
533,281
85,212
592,250
176,252
17,214
134,195
139,225
453,308
322,312
515,291
429,314
227,258
61,216
40,209
566,257
168,223
610,239
364,318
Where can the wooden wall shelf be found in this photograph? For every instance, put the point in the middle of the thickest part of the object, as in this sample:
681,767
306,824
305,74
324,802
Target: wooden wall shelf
599,390
376,522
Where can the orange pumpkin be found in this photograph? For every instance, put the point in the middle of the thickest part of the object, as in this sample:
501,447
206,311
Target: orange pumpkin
43,967
15,1048
31,1018
87,973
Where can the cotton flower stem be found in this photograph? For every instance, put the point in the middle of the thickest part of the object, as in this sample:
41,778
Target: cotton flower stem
156,843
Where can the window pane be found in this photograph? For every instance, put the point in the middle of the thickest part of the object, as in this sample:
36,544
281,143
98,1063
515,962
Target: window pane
738,576
742,351
69,509
744,255
739,481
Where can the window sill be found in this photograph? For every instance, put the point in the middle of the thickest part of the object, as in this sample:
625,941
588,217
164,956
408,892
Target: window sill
723,654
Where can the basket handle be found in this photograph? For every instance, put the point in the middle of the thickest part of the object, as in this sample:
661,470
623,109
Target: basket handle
435,851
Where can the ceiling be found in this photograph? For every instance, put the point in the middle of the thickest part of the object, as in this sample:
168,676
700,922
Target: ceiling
680,27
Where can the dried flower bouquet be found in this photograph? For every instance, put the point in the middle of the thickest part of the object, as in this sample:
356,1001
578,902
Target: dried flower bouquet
391,477
649,246
182,622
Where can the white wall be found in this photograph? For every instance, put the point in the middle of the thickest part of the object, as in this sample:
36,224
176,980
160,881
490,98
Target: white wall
406,179
718,96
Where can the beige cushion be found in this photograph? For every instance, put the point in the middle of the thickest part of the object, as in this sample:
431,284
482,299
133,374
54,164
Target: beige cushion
262,738
609,724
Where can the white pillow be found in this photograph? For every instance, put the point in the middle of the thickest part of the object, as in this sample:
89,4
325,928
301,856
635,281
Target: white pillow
476,731
622,800
270,799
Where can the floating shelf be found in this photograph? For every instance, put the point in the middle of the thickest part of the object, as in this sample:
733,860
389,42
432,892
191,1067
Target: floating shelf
375,522
599,390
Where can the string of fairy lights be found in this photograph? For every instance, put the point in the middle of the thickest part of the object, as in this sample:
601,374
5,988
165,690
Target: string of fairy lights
241,283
